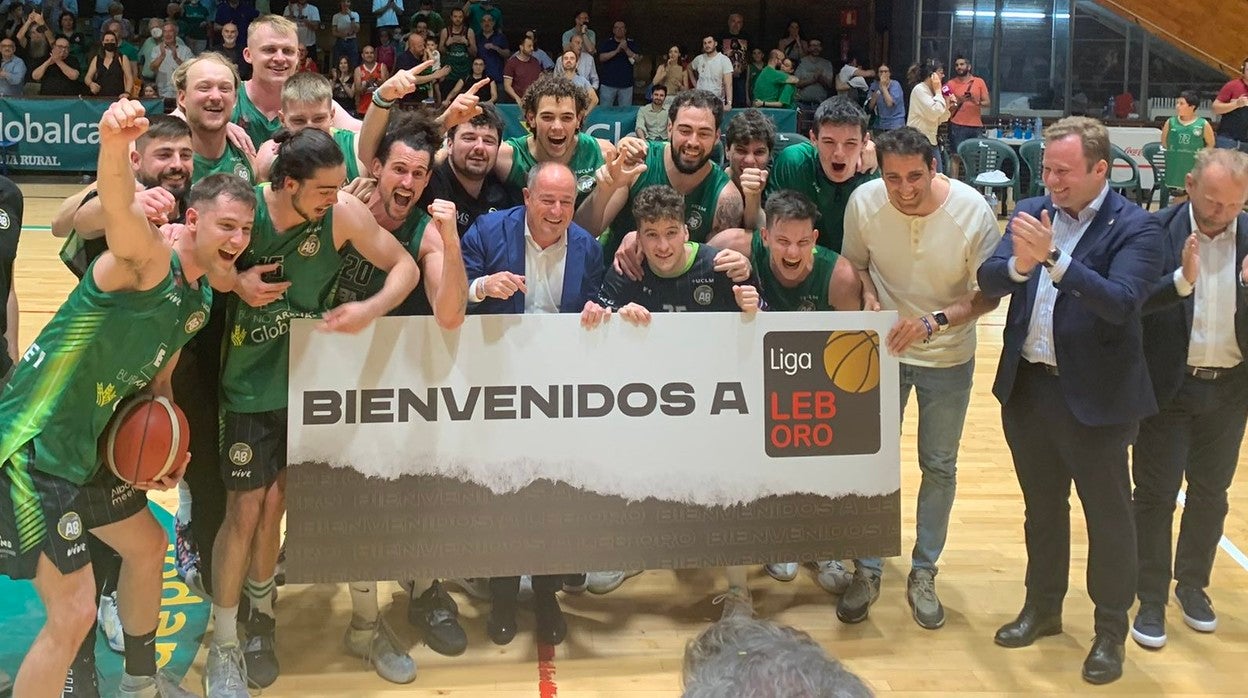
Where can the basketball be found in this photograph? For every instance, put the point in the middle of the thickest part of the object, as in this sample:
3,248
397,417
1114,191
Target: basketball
852,360
147,437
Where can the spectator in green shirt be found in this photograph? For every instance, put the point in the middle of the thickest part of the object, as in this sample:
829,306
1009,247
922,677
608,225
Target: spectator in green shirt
775,85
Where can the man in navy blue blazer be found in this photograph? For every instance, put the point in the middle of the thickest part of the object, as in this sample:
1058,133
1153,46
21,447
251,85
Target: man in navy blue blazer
1195,340
1072,380
533,259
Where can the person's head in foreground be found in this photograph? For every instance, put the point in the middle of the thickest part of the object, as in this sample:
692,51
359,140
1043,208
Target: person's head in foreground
738,657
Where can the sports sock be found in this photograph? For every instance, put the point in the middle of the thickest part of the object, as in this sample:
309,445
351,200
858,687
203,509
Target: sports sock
140,654
183,514
224,625
261,595
364,602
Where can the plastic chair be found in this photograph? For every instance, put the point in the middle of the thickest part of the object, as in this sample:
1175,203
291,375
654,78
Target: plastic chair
1156,156
982,155
1032,154
1123,186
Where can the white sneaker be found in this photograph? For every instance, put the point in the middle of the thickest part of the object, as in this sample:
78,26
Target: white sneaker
376,644
782,571
525,593
224,675
737,602
607,582
110,622
158,686
833,576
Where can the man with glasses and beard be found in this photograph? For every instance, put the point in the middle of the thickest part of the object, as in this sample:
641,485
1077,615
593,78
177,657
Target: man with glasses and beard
684,164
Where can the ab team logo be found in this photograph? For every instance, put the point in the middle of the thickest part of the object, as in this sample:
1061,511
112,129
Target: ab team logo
823,393
310,246
195,321
5,221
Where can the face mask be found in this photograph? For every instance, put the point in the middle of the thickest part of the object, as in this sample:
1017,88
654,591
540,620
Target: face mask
110,47
157,32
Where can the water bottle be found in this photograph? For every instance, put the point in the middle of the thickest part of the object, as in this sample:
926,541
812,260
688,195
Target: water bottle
1039,128
1027,131
1018,129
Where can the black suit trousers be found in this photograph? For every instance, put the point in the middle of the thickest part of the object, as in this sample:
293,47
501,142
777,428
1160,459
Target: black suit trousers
1197,436
1051,448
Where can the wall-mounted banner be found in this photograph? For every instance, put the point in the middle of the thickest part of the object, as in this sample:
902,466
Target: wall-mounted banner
528,444
613,123
55,133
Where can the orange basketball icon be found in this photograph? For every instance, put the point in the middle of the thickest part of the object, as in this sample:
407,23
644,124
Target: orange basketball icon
852,360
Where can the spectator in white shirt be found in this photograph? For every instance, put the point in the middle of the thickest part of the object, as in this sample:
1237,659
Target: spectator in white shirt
346,26
713,70
586,66
308,19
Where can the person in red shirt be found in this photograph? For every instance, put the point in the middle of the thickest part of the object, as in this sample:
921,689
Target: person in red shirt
1232,106
521,70
968,117
307,64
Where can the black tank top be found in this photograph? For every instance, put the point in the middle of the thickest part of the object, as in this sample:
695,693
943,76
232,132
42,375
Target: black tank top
111,79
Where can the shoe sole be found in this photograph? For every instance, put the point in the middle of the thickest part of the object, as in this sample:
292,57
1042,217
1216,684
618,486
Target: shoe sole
1200,626
926,626
846,618
1102,680
1152,642
600,590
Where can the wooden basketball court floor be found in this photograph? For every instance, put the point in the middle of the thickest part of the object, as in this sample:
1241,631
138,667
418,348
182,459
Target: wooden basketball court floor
630,643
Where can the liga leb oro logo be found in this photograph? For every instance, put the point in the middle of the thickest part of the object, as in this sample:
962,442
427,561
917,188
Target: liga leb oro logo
822,392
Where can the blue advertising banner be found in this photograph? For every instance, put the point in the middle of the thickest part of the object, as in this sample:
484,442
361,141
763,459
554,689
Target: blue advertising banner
613,123
54,133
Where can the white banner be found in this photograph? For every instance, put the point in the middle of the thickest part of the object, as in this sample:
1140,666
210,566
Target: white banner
708,409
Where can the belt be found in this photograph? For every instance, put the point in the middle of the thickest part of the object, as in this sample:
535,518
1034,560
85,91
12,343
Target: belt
1047,368
1209,374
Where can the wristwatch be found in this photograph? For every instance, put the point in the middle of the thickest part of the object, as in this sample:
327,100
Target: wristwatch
942,321
1052,259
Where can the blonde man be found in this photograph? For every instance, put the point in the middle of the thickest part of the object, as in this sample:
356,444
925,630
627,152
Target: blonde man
273,53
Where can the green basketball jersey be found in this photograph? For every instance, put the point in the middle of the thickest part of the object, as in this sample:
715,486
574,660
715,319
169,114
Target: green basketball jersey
359,279
232,161
700,203
98,349
257,347
586,159
345,138
811,294
797,167
1184,141
258,126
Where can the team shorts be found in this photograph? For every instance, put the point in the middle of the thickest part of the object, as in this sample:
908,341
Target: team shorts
253,449
42,513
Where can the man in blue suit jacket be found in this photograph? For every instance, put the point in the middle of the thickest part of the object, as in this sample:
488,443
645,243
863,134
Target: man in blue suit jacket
1195,340
501,248
1072,380
533,259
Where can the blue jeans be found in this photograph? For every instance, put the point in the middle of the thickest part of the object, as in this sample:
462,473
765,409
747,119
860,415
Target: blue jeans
943,394
615,96
1230,143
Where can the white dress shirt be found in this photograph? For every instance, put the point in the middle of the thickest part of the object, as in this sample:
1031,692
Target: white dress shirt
1067,232
543,273
1213,343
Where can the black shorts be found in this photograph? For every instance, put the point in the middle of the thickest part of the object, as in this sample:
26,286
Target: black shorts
42,513
253,449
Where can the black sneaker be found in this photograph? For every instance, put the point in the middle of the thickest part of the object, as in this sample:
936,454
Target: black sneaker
436,615
1149,628
1197,609
260,650
855,603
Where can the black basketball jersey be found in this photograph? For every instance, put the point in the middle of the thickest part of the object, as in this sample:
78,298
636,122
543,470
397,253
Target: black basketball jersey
699,288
